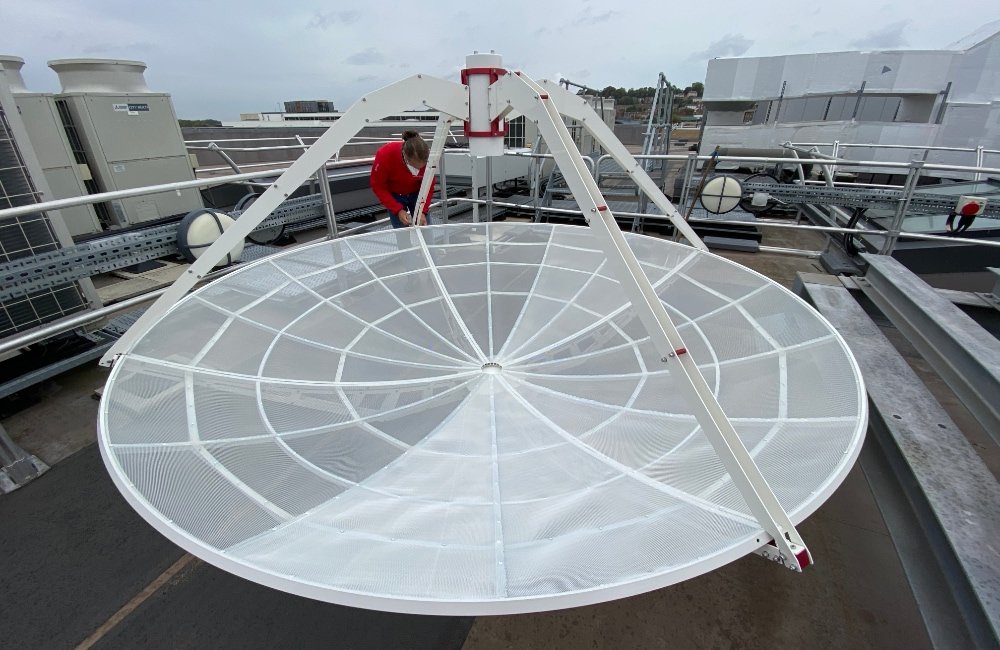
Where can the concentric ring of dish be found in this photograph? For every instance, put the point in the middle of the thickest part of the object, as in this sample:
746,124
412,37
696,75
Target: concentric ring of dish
470,418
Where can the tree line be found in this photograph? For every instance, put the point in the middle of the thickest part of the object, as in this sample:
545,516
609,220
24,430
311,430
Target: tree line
635,95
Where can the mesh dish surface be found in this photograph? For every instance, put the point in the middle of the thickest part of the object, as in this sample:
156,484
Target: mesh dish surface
469,419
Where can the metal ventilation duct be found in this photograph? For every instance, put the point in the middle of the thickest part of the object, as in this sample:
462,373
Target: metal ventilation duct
12,67
100,75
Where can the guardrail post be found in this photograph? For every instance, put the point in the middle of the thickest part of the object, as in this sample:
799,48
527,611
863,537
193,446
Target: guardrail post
324,190
689,166
637,223
916,167
980,159
836,154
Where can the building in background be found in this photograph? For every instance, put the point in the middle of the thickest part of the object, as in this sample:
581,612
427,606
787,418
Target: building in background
309,106
520,133
939,98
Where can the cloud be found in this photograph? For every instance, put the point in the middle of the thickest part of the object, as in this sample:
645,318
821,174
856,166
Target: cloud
366,78
371,56
887,37
728,45
587,16
327,19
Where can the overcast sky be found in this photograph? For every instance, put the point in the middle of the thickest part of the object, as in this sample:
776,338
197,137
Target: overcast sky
222,57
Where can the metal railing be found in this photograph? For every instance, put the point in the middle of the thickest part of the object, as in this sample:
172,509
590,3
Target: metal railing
889,236
224,145
979,153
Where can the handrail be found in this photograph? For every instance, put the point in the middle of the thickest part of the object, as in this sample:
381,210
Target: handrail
297,147
759,222
274,139
920,147
58,204
890,235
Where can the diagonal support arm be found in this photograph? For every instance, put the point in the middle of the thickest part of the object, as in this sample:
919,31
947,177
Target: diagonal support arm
573,106
536,103
441,134
448,97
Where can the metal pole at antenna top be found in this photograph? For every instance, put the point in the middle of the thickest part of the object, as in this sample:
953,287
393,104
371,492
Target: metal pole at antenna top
443,184
489,188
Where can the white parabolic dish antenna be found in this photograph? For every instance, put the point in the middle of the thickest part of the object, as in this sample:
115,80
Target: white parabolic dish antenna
470,419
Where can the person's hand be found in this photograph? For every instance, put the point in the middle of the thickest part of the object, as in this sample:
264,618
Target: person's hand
423,219
404,217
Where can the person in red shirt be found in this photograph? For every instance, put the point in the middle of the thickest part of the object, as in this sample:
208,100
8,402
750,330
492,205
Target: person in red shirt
396,177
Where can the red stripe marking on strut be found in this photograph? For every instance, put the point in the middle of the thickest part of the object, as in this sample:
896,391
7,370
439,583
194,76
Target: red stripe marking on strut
602,208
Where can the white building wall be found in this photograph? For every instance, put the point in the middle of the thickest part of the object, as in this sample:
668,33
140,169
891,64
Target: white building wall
976,74
913,81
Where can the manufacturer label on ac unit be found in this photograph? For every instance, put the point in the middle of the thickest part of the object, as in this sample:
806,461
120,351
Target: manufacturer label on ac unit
131,109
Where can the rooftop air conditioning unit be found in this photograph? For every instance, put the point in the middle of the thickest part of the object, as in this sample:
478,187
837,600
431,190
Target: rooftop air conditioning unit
129,135
33,234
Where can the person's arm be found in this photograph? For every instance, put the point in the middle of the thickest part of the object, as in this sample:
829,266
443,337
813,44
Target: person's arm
379,180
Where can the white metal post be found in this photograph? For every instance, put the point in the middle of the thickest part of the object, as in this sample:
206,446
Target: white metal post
433,162
327,196
889,243
489,188
443,184
689,168
474,171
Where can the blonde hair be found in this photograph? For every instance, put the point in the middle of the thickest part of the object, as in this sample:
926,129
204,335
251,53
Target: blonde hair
414,147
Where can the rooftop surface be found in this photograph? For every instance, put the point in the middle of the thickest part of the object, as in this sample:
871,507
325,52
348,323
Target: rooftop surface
83,569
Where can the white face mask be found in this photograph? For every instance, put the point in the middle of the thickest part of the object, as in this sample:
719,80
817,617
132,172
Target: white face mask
413,170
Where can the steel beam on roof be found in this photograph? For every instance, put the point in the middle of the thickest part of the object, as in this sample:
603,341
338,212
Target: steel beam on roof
965,355
952,492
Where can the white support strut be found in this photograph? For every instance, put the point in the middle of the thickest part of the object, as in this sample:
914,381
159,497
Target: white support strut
536,104
447,97
433,159
579,109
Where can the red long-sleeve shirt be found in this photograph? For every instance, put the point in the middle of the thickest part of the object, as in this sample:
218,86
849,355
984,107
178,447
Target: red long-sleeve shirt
390,175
